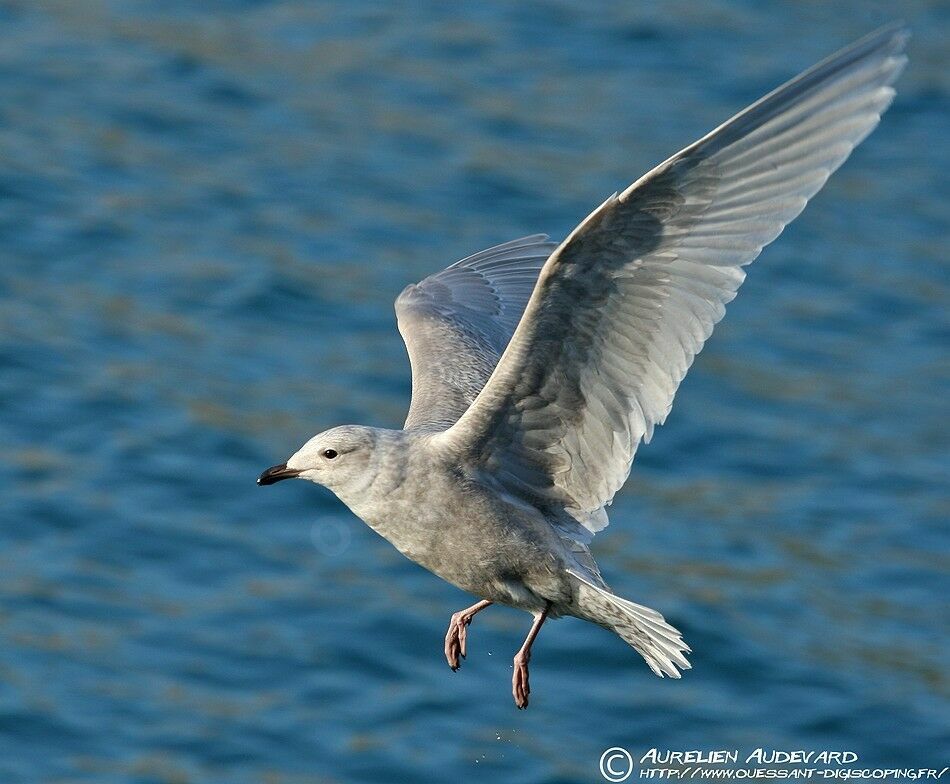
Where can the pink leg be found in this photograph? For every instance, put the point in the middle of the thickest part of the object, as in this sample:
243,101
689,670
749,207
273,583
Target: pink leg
455,636
519,680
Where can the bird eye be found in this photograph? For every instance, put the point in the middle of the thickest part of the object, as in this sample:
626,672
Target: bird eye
329,454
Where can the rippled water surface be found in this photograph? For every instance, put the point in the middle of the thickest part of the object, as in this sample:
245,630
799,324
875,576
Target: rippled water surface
207,210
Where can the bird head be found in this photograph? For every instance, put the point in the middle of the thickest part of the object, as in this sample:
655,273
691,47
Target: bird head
338,459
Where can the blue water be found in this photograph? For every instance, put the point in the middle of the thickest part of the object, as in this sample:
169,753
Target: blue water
207,210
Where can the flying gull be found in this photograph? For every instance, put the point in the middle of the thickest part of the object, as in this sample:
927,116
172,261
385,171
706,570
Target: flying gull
539,367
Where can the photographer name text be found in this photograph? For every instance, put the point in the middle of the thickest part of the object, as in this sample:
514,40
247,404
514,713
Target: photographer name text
759,756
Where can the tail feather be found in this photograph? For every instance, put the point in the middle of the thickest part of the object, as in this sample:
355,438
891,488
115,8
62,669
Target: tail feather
660,644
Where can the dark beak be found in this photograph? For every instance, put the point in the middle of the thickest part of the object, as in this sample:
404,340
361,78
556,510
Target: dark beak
276,473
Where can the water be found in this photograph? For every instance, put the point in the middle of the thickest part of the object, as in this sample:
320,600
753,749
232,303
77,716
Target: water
207,210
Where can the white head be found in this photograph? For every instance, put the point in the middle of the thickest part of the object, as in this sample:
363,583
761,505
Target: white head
340,459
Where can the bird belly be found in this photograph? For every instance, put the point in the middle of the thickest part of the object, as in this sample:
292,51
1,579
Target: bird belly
481,544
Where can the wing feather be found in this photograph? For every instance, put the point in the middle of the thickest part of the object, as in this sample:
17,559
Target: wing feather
457,322
625,303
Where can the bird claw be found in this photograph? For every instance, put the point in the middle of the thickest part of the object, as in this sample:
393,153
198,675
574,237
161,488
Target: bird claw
455,639
520,687
456,636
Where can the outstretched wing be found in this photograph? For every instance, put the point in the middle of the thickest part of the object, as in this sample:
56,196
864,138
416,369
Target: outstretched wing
628,299
457,323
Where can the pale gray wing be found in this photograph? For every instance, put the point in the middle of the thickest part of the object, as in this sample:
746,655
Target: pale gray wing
628,299
457,323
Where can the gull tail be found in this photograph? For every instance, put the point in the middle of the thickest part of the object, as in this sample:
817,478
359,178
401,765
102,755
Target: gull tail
650,635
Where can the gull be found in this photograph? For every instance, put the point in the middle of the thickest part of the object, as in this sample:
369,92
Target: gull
539,367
